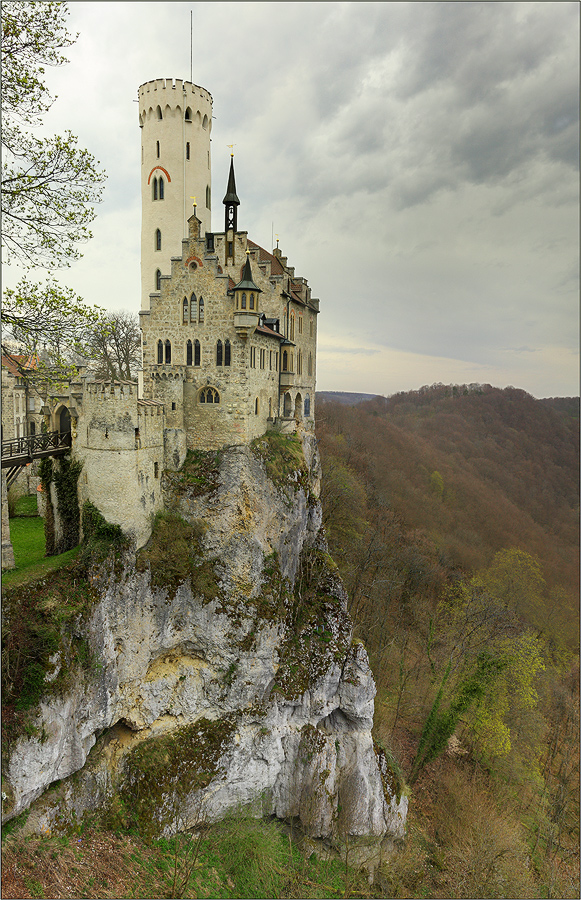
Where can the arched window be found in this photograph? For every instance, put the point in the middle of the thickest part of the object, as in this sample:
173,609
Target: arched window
189,353
219,353
307,406
157,148
256,406
196,353
243,302
159,114
188,116
299,363
160,352
285,361
158,280
227,353
209,395
167,352
201,311
187,149
205,122
154,188
310,363
252,301
157,239
32,429
292,326
185,311
193,308
161,189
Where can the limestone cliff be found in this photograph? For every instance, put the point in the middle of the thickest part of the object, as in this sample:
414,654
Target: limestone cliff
224,671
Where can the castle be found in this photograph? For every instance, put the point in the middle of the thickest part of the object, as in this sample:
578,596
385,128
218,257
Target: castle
229,332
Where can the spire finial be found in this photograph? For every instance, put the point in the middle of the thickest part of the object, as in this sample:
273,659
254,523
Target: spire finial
231,148
193,204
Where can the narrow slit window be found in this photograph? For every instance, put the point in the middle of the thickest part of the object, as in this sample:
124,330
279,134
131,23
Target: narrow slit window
158,280
161,189
227,353
157,239
154,188
189,353
160,352
157,148
201,312
187,149
219,353
185,311
168,352
196,353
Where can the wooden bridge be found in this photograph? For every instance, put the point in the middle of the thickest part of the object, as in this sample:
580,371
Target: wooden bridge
19,452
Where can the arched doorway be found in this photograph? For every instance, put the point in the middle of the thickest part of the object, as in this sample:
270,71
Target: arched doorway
287,406
298,407
64,421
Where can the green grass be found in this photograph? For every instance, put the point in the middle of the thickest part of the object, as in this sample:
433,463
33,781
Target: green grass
28,542
26,506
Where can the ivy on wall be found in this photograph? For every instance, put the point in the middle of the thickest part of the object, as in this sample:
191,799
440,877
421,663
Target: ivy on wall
65,475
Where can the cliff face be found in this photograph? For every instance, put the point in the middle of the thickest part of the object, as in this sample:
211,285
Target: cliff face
225,673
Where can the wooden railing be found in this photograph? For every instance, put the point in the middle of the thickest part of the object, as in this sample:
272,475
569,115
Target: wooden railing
20,451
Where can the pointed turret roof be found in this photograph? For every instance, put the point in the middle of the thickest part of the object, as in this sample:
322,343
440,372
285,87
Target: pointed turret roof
247,283
231,195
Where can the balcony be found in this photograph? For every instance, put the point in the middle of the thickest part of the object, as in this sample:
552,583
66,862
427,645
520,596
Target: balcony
287,379
245,323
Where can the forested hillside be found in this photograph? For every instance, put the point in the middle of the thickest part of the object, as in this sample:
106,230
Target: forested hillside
453,515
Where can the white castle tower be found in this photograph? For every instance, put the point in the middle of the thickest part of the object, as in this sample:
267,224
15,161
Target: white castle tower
175,118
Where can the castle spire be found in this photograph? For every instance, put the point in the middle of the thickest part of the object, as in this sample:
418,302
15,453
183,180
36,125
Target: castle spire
231,201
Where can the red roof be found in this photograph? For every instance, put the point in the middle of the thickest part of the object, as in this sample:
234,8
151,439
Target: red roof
17,361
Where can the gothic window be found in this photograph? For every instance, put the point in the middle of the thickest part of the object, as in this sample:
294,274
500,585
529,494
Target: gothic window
307,406
160,352
219,353
188,115
168,352
187,149
292,326
300,323
285,361
292,361
189,353
159,114
185,311
227,353
205,122
201,310
158,280
299,363
243,303
209,395
161,189
157,239
193,308
252,301
154,188
196,353
157,148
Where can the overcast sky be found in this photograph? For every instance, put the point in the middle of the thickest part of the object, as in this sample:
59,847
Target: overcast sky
419,162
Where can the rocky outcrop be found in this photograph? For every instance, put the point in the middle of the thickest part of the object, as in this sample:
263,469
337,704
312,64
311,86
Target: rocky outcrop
238,685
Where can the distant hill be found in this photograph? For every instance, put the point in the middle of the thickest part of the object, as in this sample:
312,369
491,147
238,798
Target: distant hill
349,399
474,469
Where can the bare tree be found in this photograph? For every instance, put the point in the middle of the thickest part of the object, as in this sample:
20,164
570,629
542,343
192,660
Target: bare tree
115,349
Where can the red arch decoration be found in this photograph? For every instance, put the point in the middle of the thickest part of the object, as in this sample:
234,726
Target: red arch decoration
195,259
165,171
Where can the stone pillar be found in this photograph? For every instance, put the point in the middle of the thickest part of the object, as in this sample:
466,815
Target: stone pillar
7,550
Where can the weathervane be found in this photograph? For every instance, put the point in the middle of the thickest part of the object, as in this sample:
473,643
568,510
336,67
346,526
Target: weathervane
231,148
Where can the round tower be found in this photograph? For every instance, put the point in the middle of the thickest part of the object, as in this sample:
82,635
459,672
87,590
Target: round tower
175,118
